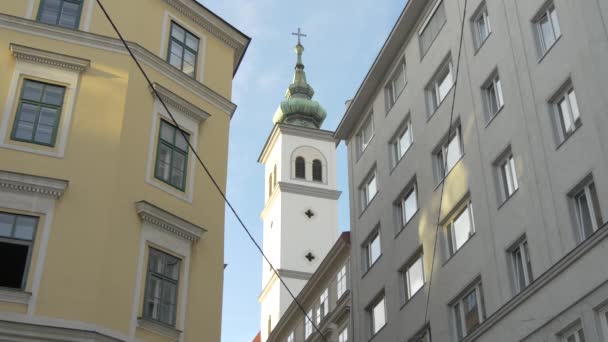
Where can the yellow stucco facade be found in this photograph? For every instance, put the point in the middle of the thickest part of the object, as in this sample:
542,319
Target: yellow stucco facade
99,204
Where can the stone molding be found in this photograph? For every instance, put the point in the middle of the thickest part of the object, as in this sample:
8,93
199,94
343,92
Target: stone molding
159,328
29,184
51,58
168,222
173,100
22,331
307,190
14,296
294,274
215,26
115,45
306,132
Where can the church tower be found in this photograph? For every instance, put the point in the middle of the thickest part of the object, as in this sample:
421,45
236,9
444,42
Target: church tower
301,204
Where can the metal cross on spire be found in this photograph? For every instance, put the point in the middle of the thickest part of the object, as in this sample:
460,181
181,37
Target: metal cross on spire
299,34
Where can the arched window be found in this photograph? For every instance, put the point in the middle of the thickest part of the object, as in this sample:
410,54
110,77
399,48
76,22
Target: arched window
317,170
270,183
300,168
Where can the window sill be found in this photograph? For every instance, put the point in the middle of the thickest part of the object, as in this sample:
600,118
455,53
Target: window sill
412,297
9,295
401,158
377,332
390,108
407,223
459,249
567,137
544,54
368,205
507,199
441,103
371,266
159,328
449,172
481,44
360,153
491,119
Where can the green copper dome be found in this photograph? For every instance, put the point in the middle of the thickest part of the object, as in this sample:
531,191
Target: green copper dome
298,108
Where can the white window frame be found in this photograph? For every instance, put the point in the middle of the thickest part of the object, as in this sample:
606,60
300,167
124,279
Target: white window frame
433,89
406,274
550,13
568,97
366,189
493,96
507,176
308,324
370,260
323,308
524,262
466,209
404,132
425,25
481,15
576,331
392,93
441,153
371,311
367,127
412,190
341,282
458,304
589,190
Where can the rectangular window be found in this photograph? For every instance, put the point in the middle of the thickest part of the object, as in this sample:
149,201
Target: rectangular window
64,13
448,154
587,209
439,87
460,228
507,175
395,85
377,314
522,265
369,189
323,308
372,249
341,281
413,276
291,337
162,284
343,336
494,101
308,324
547,28
574,335
431,27
17,234
481,25
468,311
183,50
366,134
402,142
408,206
172,156
568,114
38,113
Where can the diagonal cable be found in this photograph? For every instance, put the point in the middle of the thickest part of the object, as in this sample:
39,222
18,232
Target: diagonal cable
215,184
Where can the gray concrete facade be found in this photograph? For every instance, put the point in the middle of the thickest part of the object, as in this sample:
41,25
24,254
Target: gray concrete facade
568,286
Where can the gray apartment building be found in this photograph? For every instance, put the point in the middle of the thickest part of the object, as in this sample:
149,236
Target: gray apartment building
516,249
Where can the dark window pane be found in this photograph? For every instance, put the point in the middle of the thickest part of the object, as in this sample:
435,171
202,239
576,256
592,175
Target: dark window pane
300,168
32,91
6,224
13,265
317,170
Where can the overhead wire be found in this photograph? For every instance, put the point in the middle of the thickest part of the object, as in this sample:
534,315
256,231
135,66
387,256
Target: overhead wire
206,170
445,161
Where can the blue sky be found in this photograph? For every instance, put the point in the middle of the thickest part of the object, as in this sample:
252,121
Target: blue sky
344,37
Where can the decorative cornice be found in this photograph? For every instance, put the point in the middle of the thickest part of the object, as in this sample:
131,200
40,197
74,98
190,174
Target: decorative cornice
214,25
308,190
51,58
14,296
544,279
29,184
173,100
158,328
306,132
294,274
169,222
115,45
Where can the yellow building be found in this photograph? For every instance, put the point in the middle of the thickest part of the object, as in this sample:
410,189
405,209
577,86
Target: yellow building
109,231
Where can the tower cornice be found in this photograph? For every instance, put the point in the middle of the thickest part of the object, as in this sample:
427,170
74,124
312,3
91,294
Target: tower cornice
287,129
